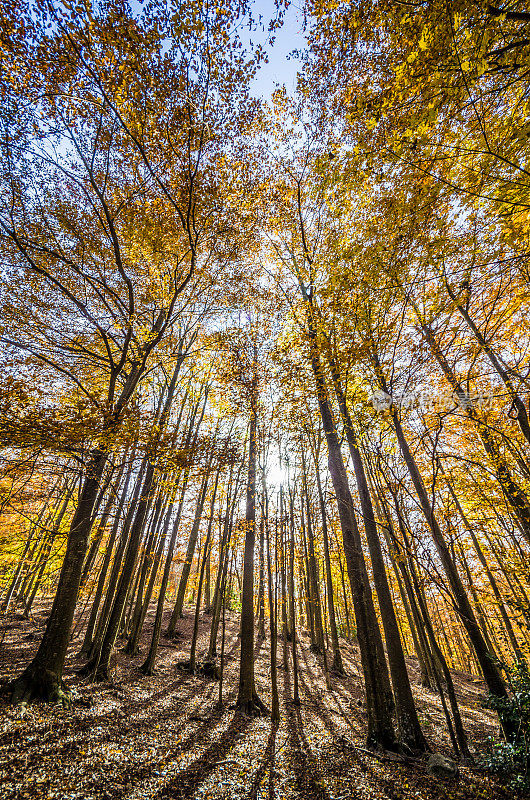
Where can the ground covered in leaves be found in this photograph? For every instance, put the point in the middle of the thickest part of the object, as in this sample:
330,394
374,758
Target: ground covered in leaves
165,736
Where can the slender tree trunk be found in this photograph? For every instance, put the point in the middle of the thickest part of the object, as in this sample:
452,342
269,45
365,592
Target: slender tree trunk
280,548
89,633
296,695
223,640
275,703
409,730
337,665
375,670
517,401
99,668
345,599
96,541
45,555
313,572
133,644
27,555
461,738
224,544
307,582
192,543
191,442
247,699
193,647
97,641
407,595
515,496
261,579
131,622
491,578
148,666
490,671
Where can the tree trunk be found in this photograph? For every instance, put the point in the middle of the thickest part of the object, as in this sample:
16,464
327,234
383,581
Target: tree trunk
247,700
224,544
133,644
296,695
49,544
148,666
337,665
261,578
517,401
96,541
192,542
488,666
42,678
515,496
27,554
375,670
193,647
409,730
275,703
89,633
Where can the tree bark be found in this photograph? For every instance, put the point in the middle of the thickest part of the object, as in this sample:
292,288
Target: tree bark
377,683
42,678
247,700
488,666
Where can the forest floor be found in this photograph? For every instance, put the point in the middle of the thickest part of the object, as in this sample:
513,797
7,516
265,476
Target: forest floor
164,736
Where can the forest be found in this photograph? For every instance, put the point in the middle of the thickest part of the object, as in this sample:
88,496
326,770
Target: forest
264,399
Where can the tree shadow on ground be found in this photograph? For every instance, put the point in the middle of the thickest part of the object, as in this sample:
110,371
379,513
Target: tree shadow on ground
107,722
307,777
344,755
266,764
185,784
209,721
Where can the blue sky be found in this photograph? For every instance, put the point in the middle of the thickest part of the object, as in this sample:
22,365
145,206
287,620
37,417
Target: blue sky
279,70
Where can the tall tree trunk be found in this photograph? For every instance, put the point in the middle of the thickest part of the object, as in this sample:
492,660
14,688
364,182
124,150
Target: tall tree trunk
133,644
261,578
193,646
42,678
148,666
275,704
99,666
100,532
310,606
490,671
517,401
313,571
27,554
409,730
377,683
89,633
110,593
491,578
224,545
407,593
337,665
247,698
280,548
296,695
515,496
131,621
192,543
190,444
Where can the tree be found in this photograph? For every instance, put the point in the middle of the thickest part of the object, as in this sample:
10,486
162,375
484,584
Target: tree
90,182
